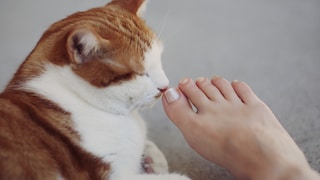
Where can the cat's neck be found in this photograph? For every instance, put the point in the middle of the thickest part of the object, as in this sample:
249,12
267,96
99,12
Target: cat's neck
61,86
46,51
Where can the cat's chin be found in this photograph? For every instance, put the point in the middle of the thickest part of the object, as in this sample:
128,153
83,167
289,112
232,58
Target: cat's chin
151,103
147,106
158,95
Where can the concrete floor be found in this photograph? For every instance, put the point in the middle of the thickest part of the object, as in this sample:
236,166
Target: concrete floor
272,45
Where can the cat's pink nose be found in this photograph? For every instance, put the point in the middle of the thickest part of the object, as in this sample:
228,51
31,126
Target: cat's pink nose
163,89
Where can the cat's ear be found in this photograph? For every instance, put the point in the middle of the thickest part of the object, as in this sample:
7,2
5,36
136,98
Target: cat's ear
83,44
137,7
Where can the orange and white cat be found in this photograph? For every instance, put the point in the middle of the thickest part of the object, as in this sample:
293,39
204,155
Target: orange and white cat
71,109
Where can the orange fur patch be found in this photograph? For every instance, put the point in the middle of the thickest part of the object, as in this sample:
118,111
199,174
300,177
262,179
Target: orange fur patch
37,139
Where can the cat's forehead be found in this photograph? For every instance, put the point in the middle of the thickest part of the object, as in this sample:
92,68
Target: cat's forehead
112,23
121,23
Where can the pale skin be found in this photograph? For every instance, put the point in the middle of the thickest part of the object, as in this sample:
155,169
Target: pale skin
233,128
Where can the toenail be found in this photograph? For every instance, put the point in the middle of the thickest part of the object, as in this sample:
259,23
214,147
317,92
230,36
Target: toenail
200,79
184,81
216,77
171,95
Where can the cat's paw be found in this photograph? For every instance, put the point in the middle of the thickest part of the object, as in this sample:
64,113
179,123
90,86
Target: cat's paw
154,162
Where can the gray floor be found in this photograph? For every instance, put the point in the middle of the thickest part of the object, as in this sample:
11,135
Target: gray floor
273,45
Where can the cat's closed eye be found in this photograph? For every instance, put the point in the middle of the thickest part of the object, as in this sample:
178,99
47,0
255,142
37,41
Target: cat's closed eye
144,74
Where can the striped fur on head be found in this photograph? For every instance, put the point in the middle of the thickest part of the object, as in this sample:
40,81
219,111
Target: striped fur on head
108,41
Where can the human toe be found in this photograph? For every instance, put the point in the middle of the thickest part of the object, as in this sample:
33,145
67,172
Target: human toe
225,87
209,89
194,94
177,106
244,92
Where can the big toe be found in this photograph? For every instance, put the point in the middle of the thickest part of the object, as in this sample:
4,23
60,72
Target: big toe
177,107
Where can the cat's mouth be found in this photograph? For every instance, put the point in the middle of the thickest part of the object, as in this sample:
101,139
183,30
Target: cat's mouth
158,95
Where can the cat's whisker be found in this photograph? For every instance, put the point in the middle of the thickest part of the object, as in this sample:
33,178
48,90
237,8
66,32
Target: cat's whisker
139,104
165,19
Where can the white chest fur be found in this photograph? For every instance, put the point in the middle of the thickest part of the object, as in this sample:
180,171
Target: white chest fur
117,139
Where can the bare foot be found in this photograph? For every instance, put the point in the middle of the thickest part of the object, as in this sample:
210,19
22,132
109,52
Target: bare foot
232,127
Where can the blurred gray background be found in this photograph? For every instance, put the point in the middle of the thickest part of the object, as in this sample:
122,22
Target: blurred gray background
273,45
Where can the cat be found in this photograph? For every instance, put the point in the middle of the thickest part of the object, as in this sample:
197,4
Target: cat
71,111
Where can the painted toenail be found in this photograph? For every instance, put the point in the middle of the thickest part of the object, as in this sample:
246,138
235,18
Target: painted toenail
171,95
184,81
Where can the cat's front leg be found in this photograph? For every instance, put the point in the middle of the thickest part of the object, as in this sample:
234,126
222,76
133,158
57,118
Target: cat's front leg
153,160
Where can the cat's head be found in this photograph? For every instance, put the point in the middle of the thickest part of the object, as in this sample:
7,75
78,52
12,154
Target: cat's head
110,57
